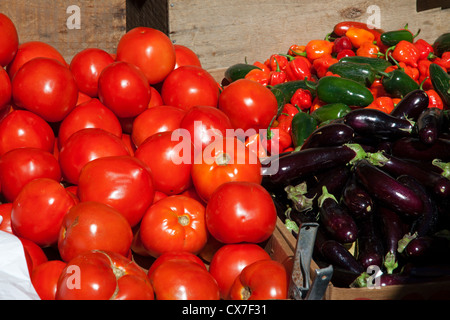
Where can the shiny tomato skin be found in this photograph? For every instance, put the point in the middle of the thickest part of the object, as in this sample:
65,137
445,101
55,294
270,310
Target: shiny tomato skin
91,225
204,123
20,166
156,99
103,275
5,217
149,49
189,86
9,42
38,211
30,50
224,160
5,89
170,167
248,104
34,254
45,278
185,56
174,223
156,119
86,145
123,88
261,280
22,128
241,211
229,260
183,280
90,114
86,67
122,182
174,255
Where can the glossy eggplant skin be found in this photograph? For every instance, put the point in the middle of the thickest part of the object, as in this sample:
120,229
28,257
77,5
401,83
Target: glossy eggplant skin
396,167
428,249
357,200
429,125
370,249
378,124
335,219
388,190
414,149
336,254
332,134
411,105
299,164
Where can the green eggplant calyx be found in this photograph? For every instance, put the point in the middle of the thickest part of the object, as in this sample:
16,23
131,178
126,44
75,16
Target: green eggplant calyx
390,262
403,242
444,166
359,152
297,195
325,195
377,158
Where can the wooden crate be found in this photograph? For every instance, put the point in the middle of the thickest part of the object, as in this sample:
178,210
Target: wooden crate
69,25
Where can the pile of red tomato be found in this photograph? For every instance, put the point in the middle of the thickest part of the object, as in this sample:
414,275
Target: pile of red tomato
92,174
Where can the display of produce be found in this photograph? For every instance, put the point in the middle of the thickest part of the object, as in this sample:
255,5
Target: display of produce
155,181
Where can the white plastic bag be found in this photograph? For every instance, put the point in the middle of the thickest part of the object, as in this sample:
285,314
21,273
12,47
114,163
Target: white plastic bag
15,282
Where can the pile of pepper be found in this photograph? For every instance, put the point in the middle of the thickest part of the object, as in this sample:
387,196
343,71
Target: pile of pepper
354,66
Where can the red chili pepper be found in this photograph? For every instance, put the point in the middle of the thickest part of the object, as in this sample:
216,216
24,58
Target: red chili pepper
262,66
424,48
368,49
383,103
412,72
345,53
259,76
443,61
298,68
317,48
435,100
277,61
316,104
297,50
285,122
406,52
322,64
423,66
302,98
342,43
377,89
290,109
358,36
277,141
277,76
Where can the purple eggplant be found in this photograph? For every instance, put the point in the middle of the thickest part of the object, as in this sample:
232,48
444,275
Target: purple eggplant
411,105
334,218
357,200
396,167
412,148
428,249
387,190
370,249
295,166
378,124
336,254
430,125
333,134
304,196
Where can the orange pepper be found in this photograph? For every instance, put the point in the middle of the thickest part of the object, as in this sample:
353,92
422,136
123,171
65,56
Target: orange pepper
385,104
259,76
262,66
377,89
368,49
358,36
322,64
296,50
317,48
316,104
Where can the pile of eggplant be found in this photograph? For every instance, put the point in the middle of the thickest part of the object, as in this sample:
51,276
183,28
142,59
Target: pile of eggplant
378,186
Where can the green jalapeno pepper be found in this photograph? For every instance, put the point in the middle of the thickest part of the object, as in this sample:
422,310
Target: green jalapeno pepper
398,83
284,91
441,44
330,112
362,73
303,124
391,38
238,71
376,63
332,89
441,82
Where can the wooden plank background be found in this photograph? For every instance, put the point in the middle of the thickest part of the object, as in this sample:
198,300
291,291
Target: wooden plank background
226,32
102,23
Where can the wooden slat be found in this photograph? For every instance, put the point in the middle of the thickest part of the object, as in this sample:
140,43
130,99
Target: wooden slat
226,32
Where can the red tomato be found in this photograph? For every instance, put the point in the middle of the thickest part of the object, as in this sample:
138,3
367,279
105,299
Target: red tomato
248,104
45,87
123,88
91,225
20,166
224,160
149,49
126,138
184,56
183,280
261,280
86,67
5,88
45,278
90,114
154,120
82,97
174,255
86,145
103,275
171,169
203,123
21,128
175,223
122,182
230,259
34,255
156,99
30,50
39,209
189,86
241,211
9,42
5,217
